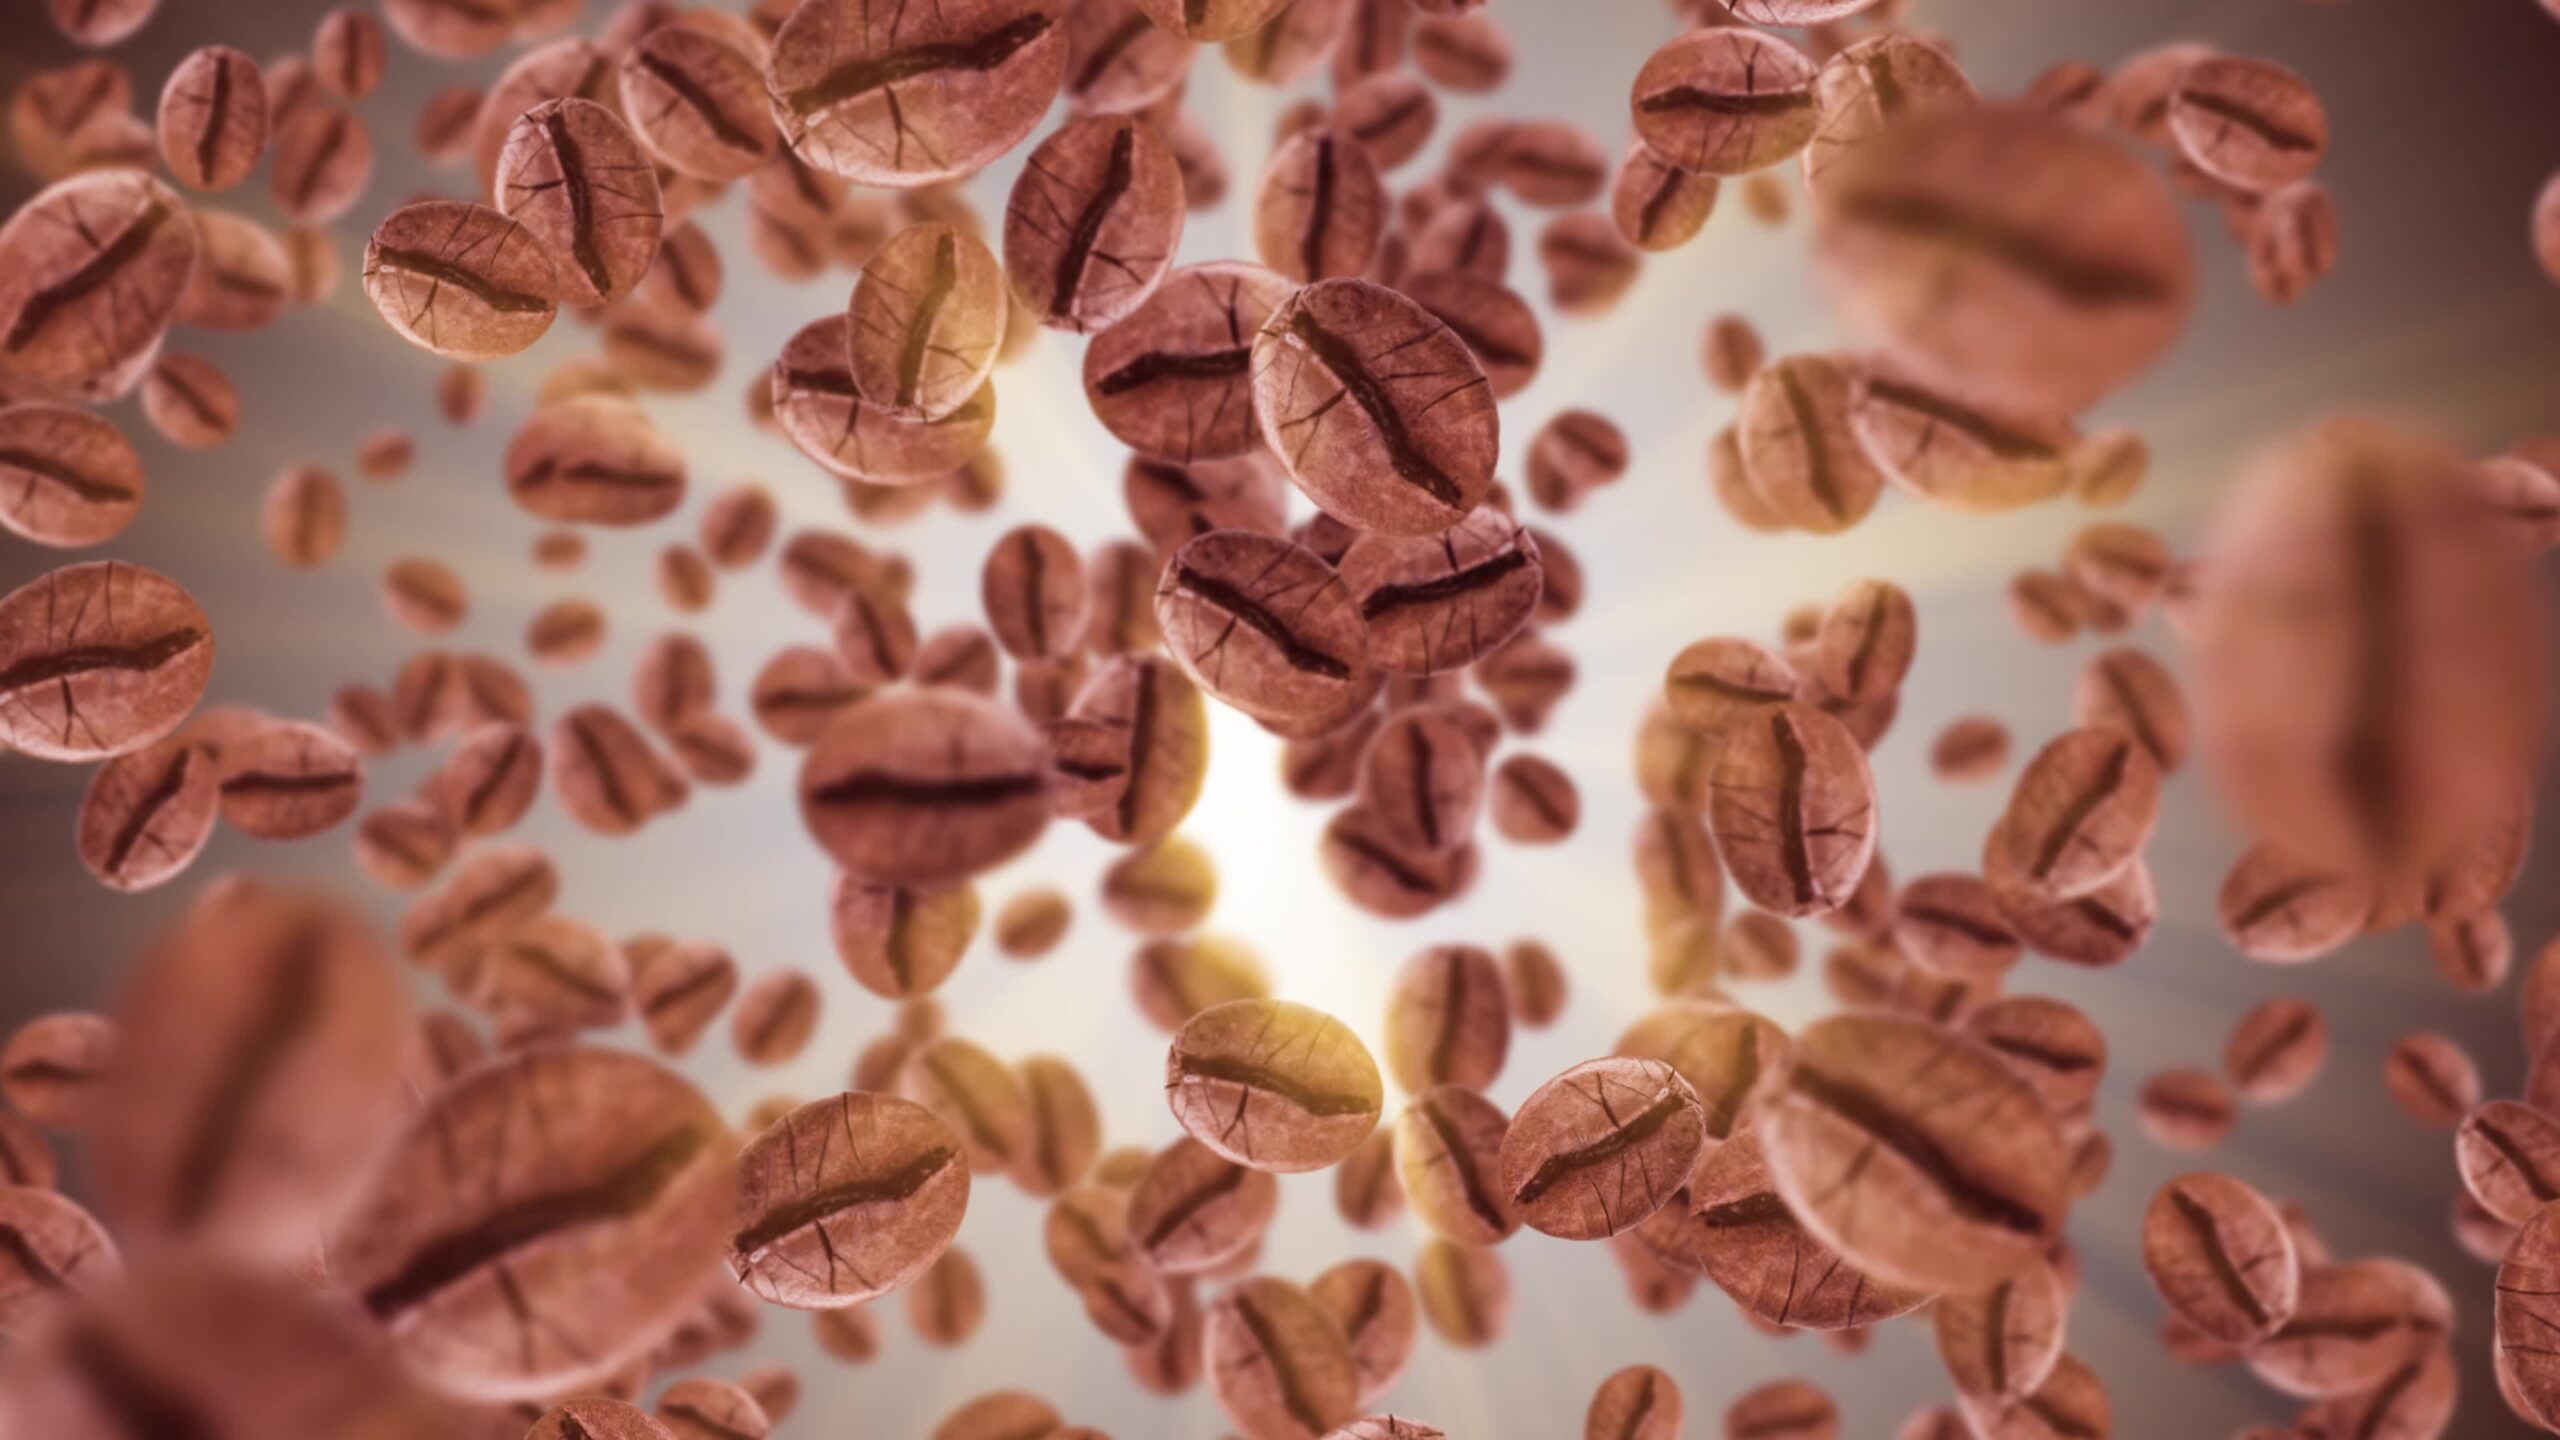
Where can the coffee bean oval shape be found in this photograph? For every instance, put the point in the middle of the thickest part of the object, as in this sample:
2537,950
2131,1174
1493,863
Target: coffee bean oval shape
2433,1079
2279,909
1657,205
1173,377
1792,806
1279,1365
1422,783
774,1018
2219,1254
927,319
698,102
930,99
2276,1050
900,941
824,413
1449,1157
1376,875
1639,1402
1193,1209
2080,813
1782,1410
1600,1147
924,786
1093,222
1714,681
597,1418
1448,1020
1877,83
1321,208
1119,61
1533,801
97,659
1402,447
1869,1107
2014,259
1273,1085
1465,1292
977,1094
2049,1043
845,1199
2251,124
2358,1321
147,814
1725,101
1746,1237
212,122
1264,625
2005,1340
1866,642
700,1408
94,269
56,1067
2186,1109
1444,602
573,175
1969,458
2509,1156
288,780
462,281
1799,452
1032,586
57,1254
67,478
605,773
1954,926
558,1257
1133,752
1726,1054
190,401
678,992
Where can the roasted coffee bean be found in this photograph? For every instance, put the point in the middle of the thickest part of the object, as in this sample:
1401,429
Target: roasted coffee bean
1093,222
1640,1402
2473,952
1532,801
705,1409
1782,1410
1524,678
1588,264
2079,815
1122,577
1172,503
2275,908
1601,1146
2276,1050
1374,874
2356,1323
977,1094
462,281
924,786
1445,602
190,401
1534,980
602,1233
926,318
213,118
1725,101
1172,378
1866,643
1272,1085
1465,1292
424,595
875,636
1725,1053
347,54
1469,54
290,780
2127,690
1714,681
1033,588
497,890
2250,124
1756,945
1087,1232
1279,1366
1967,458
933,99
386,454
774,1018
1118,60
698,102
1375,1307
1495,323
2051,1045
1173,980
2070,1402
1953,925
2509,1156
822,1226
823,412
899,941
2048,608
405,844
2004,1341
1164,888
2218,1254
147,813
1657,205
1793,807
2186,1109
549,976
565,632
2119,564
1747,1239
597,1418
2108,467
1803,461
1868,1106
1193,1210
737,526
1877,83
605,773
56,1254
55,1068
1449,1157
54,105
95,268
1267,627
1065,1128
1448,1020
1422,783
799,690
1365,1187
684,580
677,991
1391,115
1414,450
2432,1079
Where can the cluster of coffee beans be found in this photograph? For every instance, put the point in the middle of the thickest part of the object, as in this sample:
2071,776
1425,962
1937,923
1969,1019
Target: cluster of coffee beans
319,1205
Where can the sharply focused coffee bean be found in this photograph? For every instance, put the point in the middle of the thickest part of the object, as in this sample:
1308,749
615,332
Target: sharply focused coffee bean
2509,1157
1793,809
1465,1292
845,1199
1267,627
2012,258
1916,1152
1725,101
1279,1365
1272,1085
1173,377
934,98
900,941
823,412
2252,124
556,1258
1803,461
1193,1210
927,317
2186,1109
2219,1255
1444,602
2079,815
698,102
147,813
1412,450
95,268
2432,1078
1747,1239
1449,1158
289,780
924,786
2276,1050
1601,1146
462,281
677,992
2003,1341
213,118
1093,222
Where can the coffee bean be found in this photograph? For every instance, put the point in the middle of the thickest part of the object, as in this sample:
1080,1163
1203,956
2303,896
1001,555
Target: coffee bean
1868,1107
2078,816
1087,1233
1745,1237
1170,379
1676,864
147,813
899,941
1601,1146
1449,1157
95,268
926,318
386,454
2089,281
1968,458
1495,323
705,1409
822,1226
1657,205
549,976
565,632
1802,460
824,413
1866,641
57,1254
190,401
1375,1307
1873,85
2186,1109
53,105
1164,888
977,1094
1365,1188
55,1068
424,595
290,780
495,891
2358,1322
1272,1085
799,690
1375,874
1725,101
1465,1292
925,786
2052,1045
1422,783
1533,802
304,516
2004,1341
2218,1254
212,124
1782,1410
1118,60
1953,925
738,525
1193,1210
2473,953
2070,1402
1443,603
1469,54
1469,237
1792,806
698,102
2274,908
930,100
678,991
1279,1366
2432,1078
1033,588
1171,503
774,1018
2276,1050
1065,1131
1267,627
462,281
1414,450
603,1231
597,1418
404,844
2509,1157
1588,264
1093,222
605,772
1714,681
1173,980
2248,123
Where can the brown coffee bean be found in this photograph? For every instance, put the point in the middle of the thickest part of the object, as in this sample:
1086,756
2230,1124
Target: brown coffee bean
549,976
605,773
1868,1106
933,99
304,516
56,1254
679,989
1447,601
96,268
1966,458
1163,888
462,281
1193,1210
1033,588
1657,205
2473,953
67,478
2050,1044
2509,1156
926,319
1272,1085
1093,222
1365,1187
673,682
2127,690
1171,378
1120,61
2186,1109
1495,323
1601,1146
1725,101
1524,678
404,844
705,1409
685,580
53,105
821,1226
290,780
1422,783
424,595
1065,1129
1465,1292
1415,452
1267,627
1756,945
147,813
497,890
774,1018
2251,124
1714,681
1782,1410
1725,1053
1375,1307
2276,1050
490,781
697,101
1171,503
190,401
2070,1402
799,690
977,1094
2078,816
597,1418
2276,909
1866,642
565,632
1676,864
1573,454
1279,1365
1953,925
2107,468
1087,1232
924,786
1747,1239
56,1067
2004,1341
2048,608
2218,1254
1377,876
573,175
1449,1157
1640,1402
1391,115
213,118
1588,264
1173,980
1122,577
897,941
645,1160
2123,565
1532,801
1534,981
2432,1079
1799,454
347,54
386,454
1792,806
2356,1323
823,412
1874,84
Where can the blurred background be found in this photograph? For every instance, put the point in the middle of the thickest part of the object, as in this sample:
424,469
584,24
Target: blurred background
2445,122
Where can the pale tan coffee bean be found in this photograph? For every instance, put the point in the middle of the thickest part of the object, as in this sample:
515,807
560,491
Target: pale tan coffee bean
2280,910
1465,1292
1448,1155
978,1094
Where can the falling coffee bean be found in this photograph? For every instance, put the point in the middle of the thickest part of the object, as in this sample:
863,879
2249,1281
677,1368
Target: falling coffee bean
1272,1085
823,1225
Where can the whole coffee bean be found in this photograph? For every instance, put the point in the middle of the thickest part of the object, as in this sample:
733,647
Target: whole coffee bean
2509,1156
565,632
1065,1128
2050,1044
1601,1146
900,941
1449,1157
1087,1232
2357,1322
1164,888
977,1094
1792,806
1267,627
2431,1078
1534,980
1874,84
1588,264
2070,1402
55,1068
1756,945
2127,690
2079,815
1782,1410
2005,1340
1724,1052
190,401
605,773
1576,452
1714,681
1093,222
1657,205
825,414
597,1418
1469,237
799,690
2125,565
1118,60
1390,114
2276,1050
2089,278
1495,323
2276,908
1033,588
678,991
1725,101
1803,461
2473,952
1373,873
1524,678
1465,1292
2186,1109
1533,802
424,595
925,786
1173,980
1422,782
1640,1402
213,118
698,102
1172,377
932,99
1868,1107
823,1225
1444,602
1374,1306
1171,503
2252,124
1279,1366
1972,747
1676,864
53,105
700,1408
55,1254
1193,1210
1365,1188
684,579
737,526
1866,643
2107,468
774,1018
2218,1254
290,780
927,316
1272,1085
147,813
347,54
1953,925
1413,449
2048,608
1749,1241
551,975
602,1233
95,268
495,891
462,281
875,636
1469,54
1970,459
